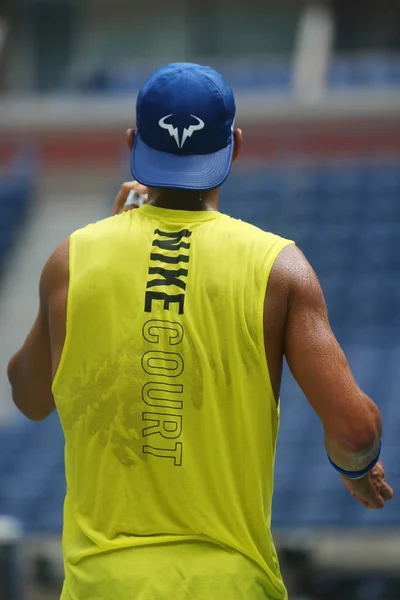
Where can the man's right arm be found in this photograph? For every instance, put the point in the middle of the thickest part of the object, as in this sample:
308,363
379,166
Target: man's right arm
351,421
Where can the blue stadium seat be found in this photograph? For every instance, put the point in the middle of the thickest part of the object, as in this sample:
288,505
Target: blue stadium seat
37,451
271,76
372,71
16,191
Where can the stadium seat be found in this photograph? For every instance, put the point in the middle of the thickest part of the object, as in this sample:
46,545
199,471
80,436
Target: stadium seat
16,192
272,76
377,71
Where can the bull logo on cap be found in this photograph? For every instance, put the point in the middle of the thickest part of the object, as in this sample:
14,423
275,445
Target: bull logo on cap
187,132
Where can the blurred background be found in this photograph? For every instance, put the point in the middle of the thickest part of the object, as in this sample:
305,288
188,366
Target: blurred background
318,95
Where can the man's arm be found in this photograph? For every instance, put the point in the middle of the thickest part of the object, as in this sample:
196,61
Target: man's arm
30,370
351,421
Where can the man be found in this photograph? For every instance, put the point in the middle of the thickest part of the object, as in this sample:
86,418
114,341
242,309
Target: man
160,340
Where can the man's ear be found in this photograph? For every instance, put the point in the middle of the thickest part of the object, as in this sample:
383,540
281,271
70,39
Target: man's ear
237,141
130,137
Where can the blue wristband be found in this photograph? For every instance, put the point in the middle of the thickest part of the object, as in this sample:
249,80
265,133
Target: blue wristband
357,474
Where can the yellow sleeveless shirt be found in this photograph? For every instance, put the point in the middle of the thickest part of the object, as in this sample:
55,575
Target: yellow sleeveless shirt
168,412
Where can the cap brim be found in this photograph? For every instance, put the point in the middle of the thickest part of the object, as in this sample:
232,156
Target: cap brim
194,172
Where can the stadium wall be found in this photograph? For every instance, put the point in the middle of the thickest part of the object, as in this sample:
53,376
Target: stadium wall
90,132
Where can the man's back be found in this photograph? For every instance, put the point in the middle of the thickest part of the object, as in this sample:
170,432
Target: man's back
165,398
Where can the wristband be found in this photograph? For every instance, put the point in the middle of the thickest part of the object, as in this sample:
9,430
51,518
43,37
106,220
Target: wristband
357,474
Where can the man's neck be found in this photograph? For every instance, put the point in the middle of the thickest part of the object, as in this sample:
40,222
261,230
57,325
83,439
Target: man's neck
195,200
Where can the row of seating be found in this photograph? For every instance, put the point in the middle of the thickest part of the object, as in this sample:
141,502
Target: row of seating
32,482
16,193
352,241
370,71
354,245
345,219
268,75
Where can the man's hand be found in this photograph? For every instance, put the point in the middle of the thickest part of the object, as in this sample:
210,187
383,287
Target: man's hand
122,196
372,490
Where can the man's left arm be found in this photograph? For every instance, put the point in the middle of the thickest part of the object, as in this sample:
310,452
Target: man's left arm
30,370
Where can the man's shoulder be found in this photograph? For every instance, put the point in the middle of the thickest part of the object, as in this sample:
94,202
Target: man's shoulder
292,270
55,273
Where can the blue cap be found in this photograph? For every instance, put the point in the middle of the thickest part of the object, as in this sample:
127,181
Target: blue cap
184,128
